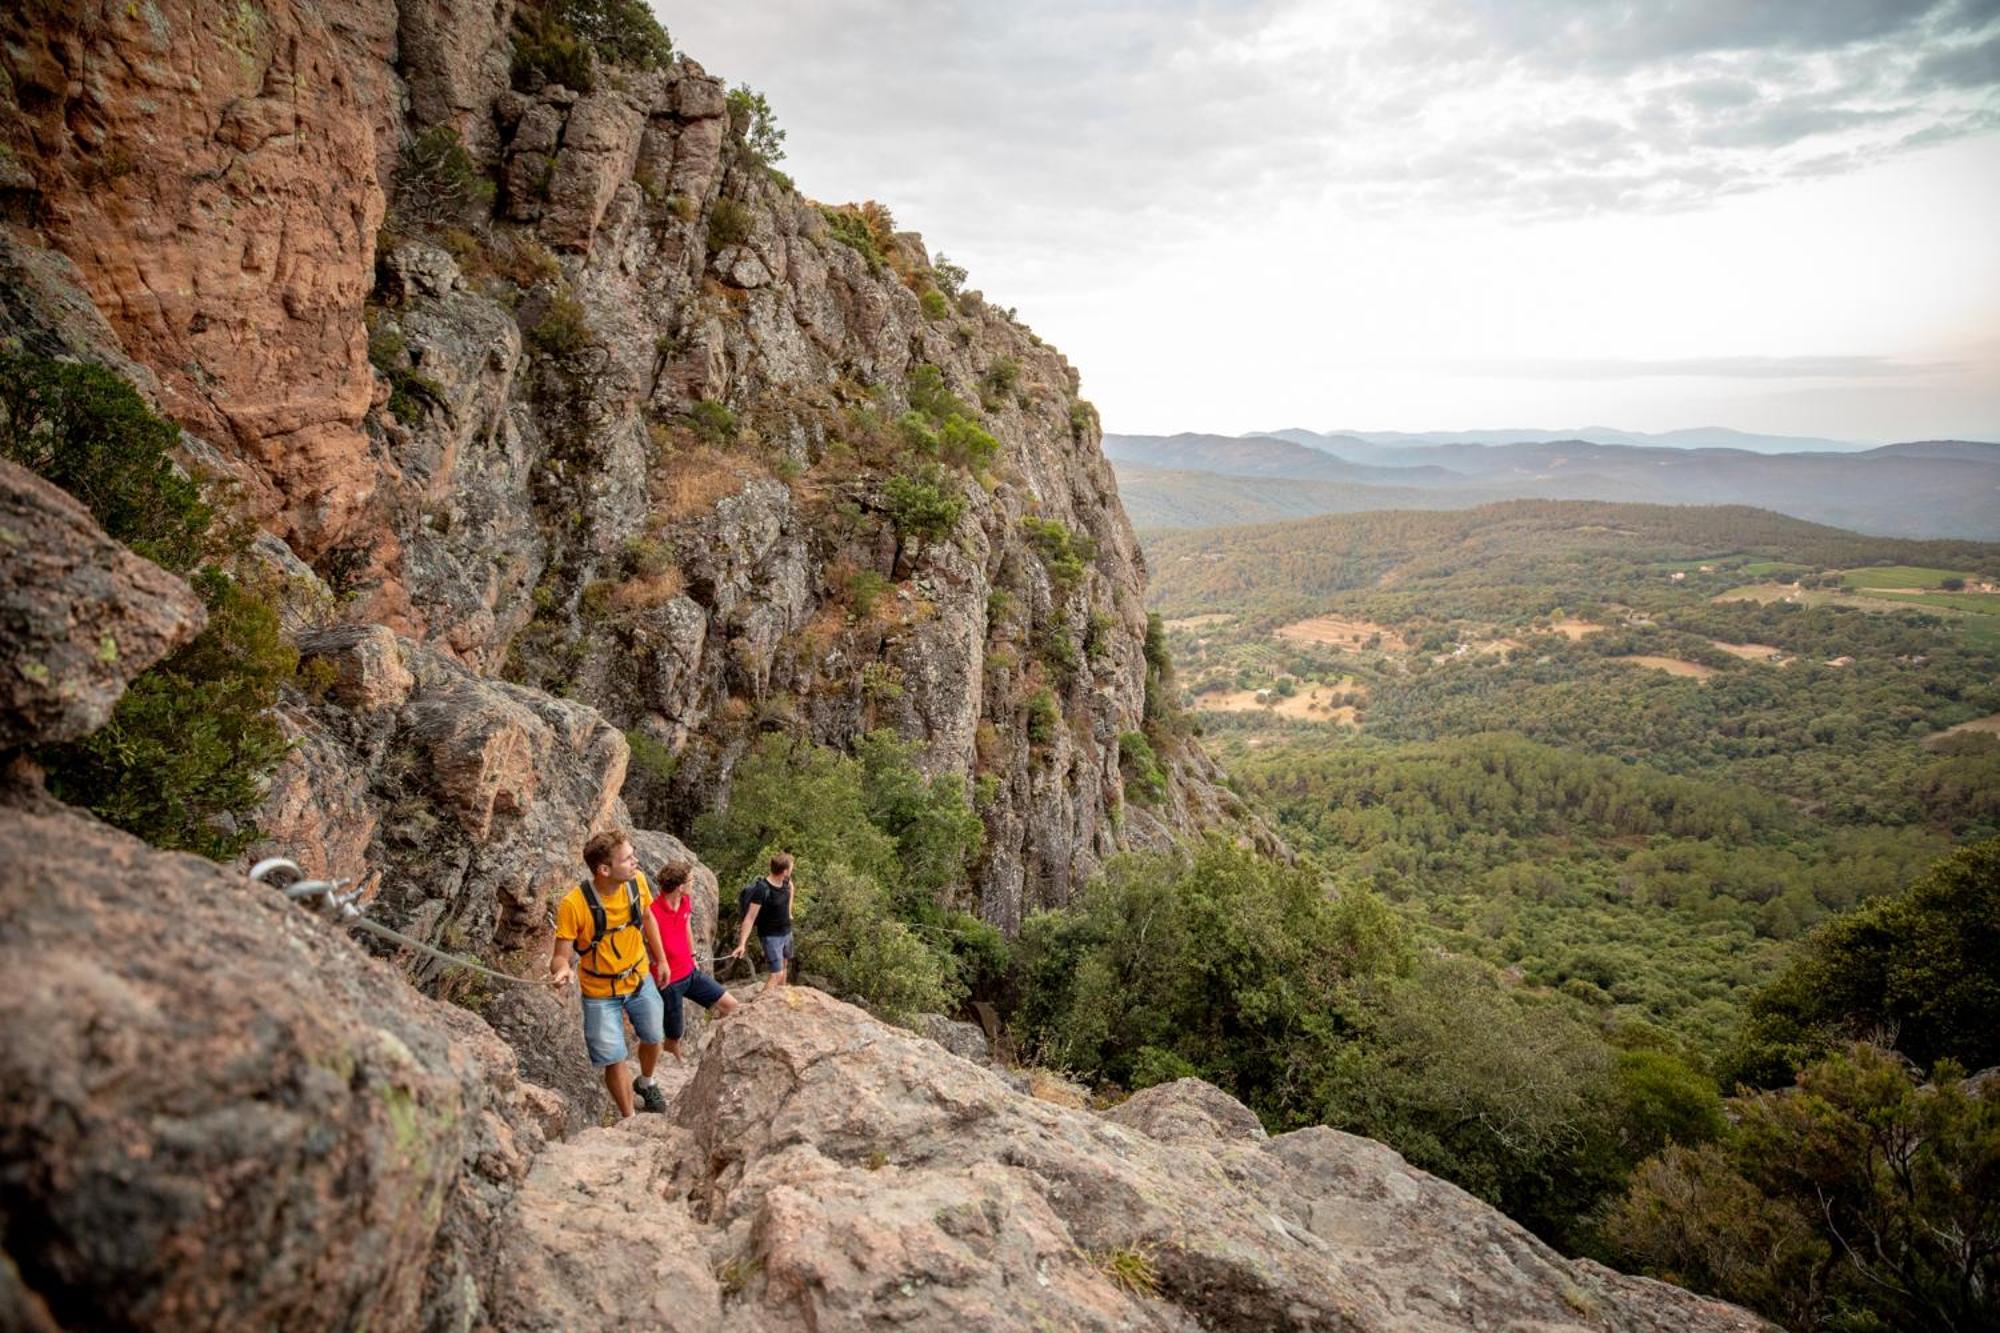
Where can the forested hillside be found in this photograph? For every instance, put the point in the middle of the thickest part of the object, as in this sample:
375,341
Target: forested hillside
1587,742
1656,799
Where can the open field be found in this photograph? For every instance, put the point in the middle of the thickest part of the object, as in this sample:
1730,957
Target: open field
1977,615
1346,635
1312,704
1199,622
1912,577
1976,603
1673,666
1989,726
1750,652
1575,629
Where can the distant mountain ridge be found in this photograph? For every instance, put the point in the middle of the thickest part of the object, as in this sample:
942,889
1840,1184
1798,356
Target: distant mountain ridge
1255,456
1931,488
1691,437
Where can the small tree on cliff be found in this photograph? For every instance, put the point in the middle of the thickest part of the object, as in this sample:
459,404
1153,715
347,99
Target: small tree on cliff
182,761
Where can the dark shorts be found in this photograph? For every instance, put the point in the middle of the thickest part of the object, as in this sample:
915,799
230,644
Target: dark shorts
698,986
777,951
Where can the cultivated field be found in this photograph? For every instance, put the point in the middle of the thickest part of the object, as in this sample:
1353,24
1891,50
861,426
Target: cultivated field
1673,666
1346,635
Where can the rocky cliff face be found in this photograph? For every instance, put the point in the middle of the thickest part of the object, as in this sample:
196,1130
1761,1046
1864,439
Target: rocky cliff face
568,386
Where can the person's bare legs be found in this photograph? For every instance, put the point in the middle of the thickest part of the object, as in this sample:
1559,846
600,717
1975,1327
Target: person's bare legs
672,1046
649,1055
618,1081
727,1005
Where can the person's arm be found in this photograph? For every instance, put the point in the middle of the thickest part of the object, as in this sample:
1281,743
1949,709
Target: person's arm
559,960
749,919
655,950
692,951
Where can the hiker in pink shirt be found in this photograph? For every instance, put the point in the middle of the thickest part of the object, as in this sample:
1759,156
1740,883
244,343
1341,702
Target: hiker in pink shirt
680,979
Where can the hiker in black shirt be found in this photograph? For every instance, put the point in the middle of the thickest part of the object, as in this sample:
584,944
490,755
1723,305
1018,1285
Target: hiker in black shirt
767,905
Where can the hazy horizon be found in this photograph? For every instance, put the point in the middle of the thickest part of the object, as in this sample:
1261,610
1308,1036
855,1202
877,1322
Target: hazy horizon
1774,217
1545,433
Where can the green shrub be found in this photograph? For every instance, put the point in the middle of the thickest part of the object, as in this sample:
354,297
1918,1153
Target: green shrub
1082,421
437,184
880,847
547,50
1001,378
183,758
949,277
1222,965
1056,648
1857,1200
849,935
863,589
923,504
930,396
934,304
1159,670
1923,964
1065,554
563,332
754,127
851,229
621,32
652,759
87,431
1043,717
409,389
963,444
185,754
713,421
1141,767
918,434
562,41
729,223
937,835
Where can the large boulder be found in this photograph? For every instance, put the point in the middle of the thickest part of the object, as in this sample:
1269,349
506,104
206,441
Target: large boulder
860,1176
217,1112
80,614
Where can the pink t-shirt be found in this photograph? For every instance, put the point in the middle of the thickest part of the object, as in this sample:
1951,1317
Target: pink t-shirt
674,934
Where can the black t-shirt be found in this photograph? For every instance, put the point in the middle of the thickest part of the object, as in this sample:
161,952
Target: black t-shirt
774,906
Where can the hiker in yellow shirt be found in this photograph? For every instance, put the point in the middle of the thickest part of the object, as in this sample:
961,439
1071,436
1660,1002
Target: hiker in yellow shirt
603,926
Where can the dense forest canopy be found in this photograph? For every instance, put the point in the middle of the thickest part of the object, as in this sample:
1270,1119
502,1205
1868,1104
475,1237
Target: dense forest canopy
1645,808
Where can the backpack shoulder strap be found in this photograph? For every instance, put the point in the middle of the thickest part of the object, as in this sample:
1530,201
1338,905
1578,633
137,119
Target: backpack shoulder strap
597,919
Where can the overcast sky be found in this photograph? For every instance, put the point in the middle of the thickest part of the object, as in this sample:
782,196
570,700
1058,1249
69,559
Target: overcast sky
1434,214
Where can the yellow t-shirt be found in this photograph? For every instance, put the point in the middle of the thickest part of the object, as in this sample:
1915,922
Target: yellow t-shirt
618,950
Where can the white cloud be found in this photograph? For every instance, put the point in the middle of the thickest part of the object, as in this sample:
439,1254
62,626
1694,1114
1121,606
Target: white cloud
1169,189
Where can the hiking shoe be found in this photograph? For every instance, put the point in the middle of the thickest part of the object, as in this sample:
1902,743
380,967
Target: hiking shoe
651,1098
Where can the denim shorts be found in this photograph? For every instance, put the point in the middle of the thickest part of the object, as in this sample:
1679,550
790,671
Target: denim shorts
604,1022
698,986
777,951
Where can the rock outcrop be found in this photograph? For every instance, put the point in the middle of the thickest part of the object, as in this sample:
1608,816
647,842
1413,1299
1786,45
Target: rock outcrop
212,170
860,1176
220,1113
80,614
632,428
